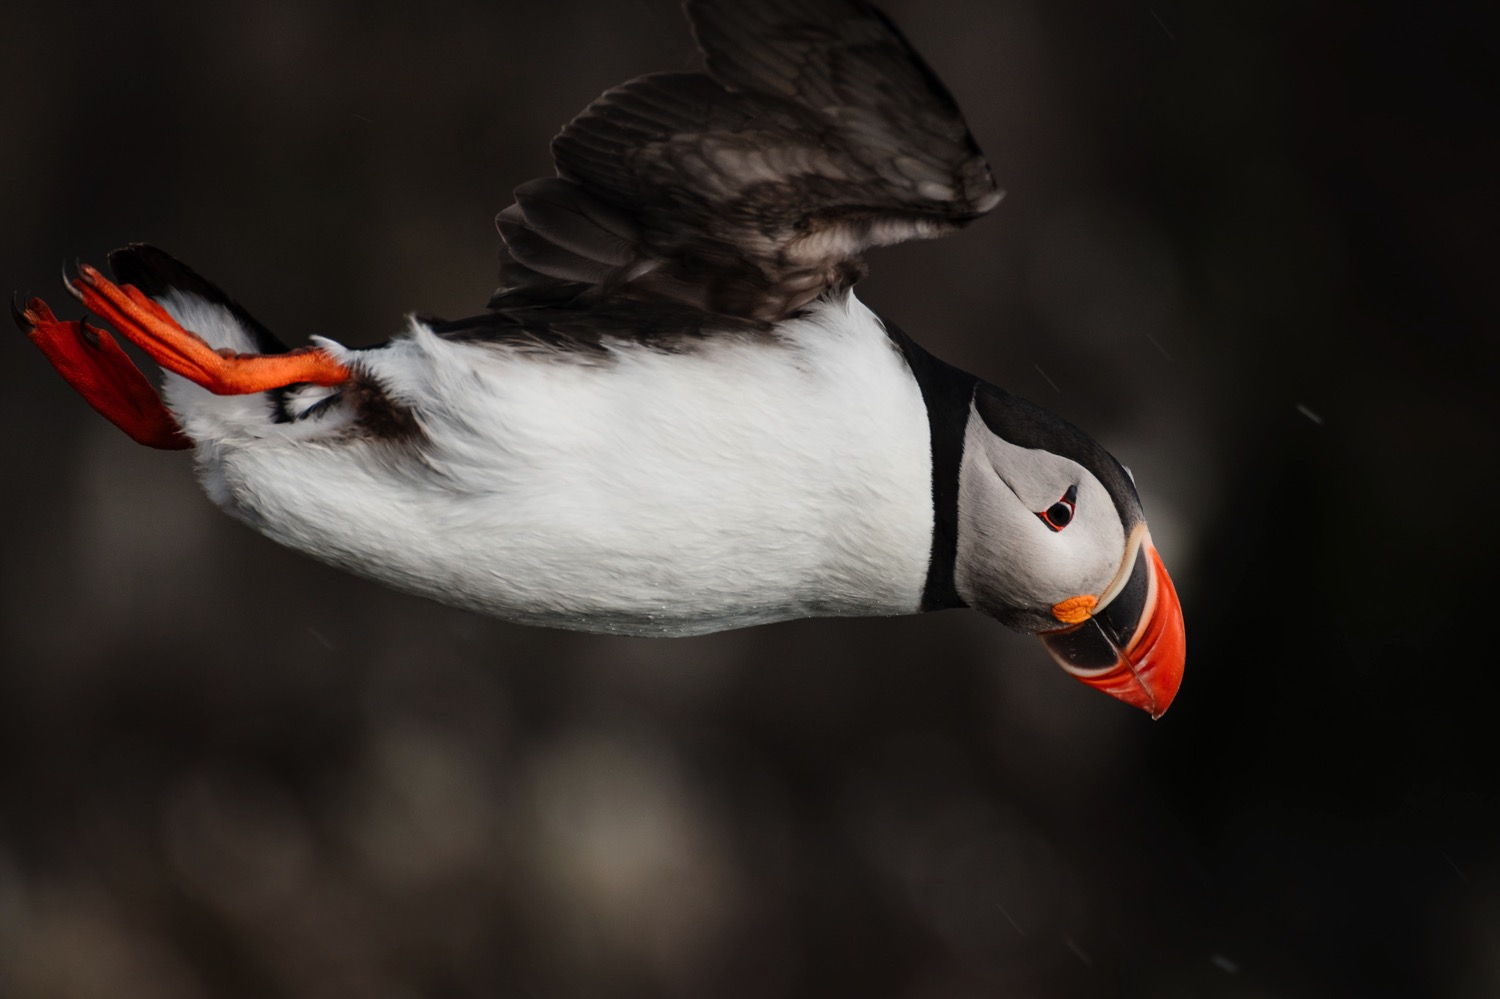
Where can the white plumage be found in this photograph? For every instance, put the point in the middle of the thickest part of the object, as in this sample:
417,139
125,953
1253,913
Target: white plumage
649,493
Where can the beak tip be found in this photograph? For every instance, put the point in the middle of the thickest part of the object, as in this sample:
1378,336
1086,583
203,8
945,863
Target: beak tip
1160,657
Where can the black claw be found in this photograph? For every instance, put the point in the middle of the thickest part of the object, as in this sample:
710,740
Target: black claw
70,280
19,314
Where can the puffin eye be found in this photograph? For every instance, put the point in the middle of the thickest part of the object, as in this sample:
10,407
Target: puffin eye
1060,514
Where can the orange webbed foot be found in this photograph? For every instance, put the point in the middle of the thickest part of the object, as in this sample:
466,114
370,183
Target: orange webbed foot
223,372
96,367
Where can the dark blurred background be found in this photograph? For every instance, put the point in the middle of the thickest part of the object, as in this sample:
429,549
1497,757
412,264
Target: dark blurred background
1247,245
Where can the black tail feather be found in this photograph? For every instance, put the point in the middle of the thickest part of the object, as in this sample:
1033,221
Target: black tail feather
157,273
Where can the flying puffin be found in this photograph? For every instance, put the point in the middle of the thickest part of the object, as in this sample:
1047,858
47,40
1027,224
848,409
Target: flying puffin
674,417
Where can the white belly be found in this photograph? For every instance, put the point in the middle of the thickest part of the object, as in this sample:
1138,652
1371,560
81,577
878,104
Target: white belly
655,493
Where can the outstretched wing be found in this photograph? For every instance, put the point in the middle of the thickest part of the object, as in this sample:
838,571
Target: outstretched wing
816,133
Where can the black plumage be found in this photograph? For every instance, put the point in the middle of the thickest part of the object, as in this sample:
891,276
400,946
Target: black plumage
156,272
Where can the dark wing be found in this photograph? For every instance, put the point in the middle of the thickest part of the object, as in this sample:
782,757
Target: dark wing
816,133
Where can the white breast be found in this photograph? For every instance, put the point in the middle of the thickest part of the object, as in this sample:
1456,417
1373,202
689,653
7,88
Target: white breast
654,493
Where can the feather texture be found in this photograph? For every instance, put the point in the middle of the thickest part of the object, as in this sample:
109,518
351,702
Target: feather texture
751,189
651,492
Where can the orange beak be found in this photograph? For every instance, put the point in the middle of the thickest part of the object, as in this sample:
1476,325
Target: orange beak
1133,648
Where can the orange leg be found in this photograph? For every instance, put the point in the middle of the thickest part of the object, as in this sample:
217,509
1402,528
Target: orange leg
223,372
91,362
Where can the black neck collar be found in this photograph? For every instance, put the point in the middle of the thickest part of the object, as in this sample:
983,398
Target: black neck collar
948,393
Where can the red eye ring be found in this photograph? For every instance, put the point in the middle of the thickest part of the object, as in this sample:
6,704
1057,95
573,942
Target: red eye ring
1060,514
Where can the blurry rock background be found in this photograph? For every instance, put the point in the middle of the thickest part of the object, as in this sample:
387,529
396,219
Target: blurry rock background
1248,245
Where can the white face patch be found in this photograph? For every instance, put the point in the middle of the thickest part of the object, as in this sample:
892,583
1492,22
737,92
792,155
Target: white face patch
1011,563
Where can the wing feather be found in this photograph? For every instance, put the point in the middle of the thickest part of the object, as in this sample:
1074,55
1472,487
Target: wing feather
816,133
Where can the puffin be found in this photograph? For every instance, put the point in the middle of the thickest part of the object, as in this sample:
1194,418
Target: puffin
674,416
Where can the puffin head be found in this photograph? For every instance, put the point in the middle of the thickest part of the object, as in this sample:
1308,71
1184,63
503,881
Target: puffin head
1052,540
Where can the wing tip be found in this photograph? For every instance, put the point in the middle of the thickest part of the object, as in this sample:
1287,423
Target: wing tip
987,201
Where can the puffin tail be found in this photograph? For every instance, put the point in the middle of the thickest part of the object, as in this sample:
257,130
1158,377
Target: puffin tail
177,287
